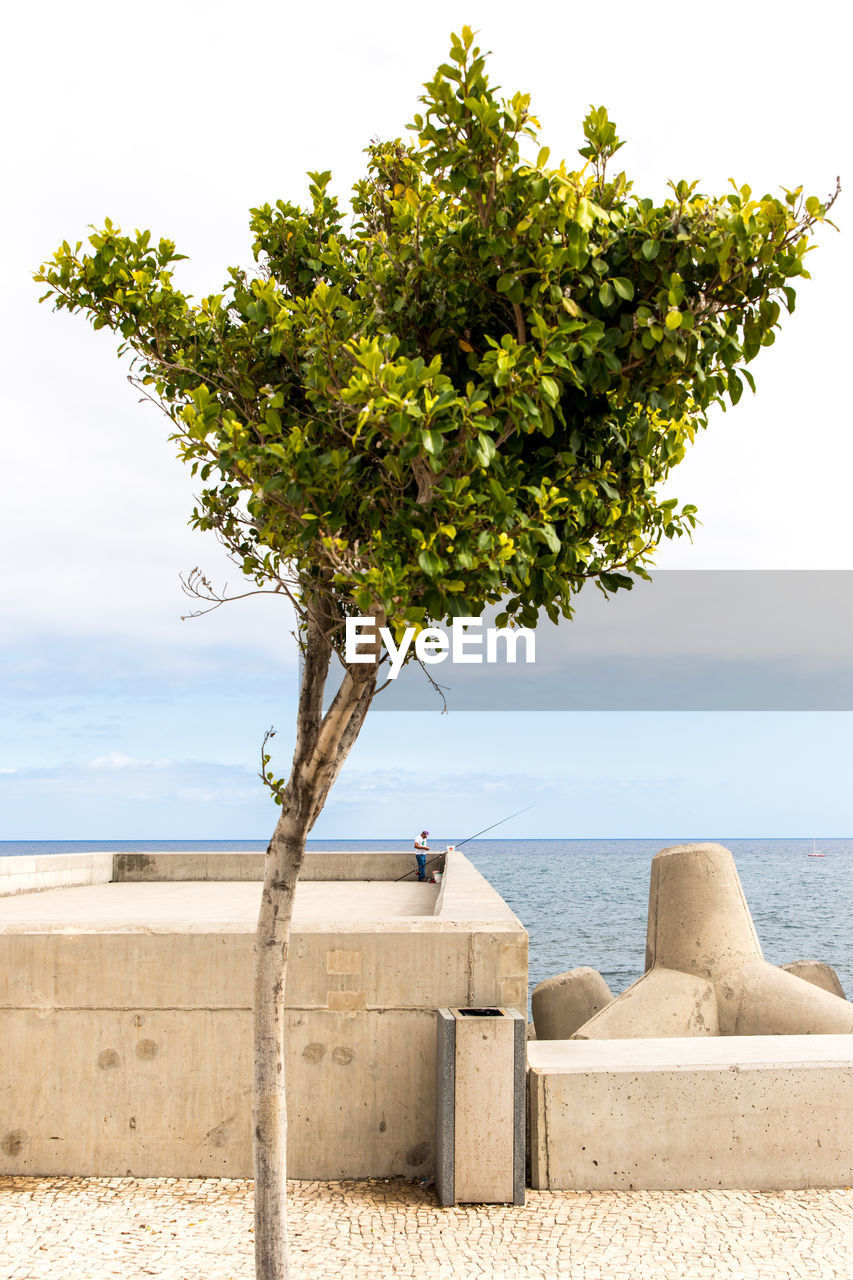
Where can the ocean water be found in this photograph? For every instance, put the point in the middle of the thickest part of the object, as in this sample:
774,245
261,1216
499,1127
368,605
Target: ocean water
584,902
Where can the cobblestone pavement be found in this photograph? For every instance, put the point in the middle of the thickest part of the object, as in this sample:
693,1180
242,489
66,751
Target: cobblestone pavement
201,1229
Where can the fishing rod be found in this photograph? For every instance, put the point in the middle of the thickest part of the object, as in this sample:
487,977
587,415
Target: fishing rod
492,827
473,837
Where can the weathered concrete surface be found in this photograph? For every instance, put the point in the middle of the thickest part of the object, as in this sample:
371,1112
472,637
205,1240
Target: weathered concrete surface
218,865
664,1002
815,971
565,1002
764,1112
30,874
699,921
760,1000
700,931
50,870
194,906
467,895
481,1106
136,1002
484,1079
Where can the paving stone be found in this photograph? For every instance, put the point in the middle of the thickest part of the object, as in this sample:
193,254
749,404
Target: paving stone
174,1229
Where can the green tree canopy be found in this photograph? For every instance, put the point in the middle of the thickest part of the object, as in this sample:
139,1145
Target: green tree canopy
471,385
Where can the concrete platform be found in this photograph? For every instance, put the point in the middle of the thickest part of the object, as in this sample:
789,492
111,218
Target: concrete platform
125,1016
763,1112
53,870
206,906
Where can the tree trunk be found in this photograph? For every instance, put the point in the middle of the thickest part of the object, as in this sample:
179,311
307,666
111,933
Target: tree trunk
322,744
284,858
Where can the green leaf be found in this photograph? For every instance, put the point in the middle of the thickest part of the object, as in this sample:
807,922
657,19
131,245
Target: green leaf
550,391
485,449
430,563
623,287
550,538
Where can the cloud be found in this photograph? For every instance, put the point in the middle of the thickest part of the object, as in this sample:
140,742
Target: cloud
116,760
120,797
76,668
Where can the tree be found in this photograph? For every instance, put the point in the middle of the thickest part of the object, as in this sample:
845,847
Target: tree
467,389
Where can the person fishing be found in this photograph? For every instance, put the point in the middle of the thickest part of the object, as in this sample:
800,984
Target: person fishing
421,851
422,848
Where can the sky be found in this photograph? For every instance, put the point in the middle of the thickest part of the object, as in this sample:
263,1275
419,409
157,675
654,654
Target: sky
118,720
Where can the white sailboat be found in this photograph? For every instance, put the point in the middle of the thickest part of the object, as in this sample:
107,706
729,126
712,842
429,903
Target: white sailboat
816,853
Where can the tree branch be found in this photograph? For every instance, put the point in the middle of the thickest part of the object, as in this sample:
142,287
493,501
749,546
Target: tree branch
520,326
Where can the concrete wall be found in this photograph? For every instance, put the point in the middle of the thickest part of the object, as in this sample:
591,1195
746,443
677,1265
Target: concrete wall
129,1052
376,865
757,1112
50,871
26,874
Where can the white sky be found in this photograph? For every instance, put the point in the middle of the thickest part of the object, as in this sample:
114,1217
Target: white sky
180,116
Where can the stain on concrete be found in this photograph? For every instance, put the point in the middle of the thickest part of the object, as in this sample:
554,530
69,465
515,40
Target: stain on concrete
343,1055
383,1125
147,1049
346,1001
418,1155
132,866
314,1052
343,962
109,1058
218,1135
13,1143
133,1122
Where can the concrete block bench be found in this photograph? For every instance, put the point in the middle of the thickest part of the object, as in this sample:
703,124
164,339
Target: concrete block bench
738,1112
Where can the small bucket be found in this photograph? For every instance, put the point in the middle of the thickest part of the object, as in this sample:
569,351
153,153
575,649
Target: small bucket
436,875
451,848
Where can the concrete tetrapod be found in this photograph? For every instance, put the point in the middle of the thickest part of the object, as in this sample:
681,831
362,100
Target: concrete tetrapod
822,975
705,974
565,1002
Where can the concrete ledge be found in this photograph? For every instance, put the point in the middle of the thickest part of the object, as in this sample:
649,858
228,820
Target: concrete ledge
56,871
465,895
755,1113
53,871
318,865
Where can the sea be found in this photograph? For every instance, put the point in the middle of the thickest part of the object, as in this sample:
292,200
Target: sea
584,902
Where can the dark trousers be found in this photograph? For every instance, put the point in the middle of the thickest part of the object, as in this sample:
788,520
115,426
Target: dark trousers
420,858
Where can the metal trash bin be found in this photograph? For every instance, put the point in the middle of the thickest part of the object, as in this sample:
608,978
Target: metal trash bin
480,1117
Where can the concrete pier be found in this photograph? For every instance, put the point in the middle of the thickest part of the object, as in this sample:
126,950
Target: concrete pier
125,1015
